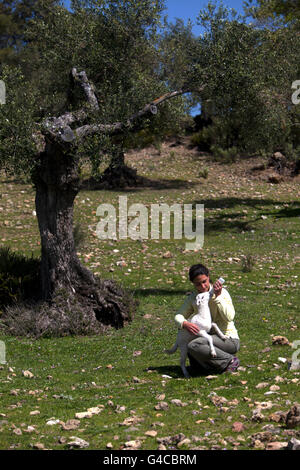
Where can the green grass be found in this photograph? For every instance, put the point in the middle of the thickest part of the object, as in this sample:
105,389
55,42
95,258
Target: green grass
71,375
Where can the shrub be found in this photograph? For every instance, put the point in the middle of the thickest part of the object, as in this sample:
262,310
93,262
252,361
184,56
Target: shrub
248,262
203,173
64,316
225,155
19,277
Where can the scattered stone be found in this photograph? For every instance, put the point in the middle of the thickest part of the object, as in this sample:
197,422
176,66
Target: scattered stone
27,374
17,431
151,433
262,385
83,414
274,388
161,397
30,429
184,442
162,405
216,399
259,439
171,440
257,415
38,445
281,340
282,359
78,442
96,410
266,405
257,444
293,444
238,427
51,422
293,417
177,402
161,447
70,425
278,417
276,445
131,421
133,444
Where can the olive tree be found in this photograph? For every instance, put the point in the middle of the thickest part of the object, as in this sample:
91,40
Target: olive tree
87,76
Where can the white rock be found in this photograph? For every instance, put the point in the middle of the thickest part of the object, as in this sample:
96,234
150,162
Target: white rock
27,373
83,414
77,442
51,422
95,411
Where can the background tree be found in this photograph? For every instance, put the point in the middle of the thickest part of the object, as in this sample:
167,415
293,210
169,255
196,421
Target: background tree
247,71
14,18
284,10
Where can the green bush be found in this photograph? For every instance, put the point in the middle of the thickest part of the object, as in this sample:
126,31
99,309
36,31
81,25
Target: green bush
19,277
224,155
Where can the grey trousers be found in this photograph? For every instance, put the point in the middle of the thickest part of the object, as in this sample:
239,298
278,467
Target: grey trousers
199,350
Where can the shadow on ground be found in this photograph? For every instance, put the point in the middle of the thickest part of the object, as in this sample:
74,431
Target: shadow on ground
175,372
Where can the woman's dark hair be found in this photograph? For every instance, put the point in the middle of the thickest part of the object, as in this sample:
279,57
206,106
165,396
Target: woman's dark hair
196,270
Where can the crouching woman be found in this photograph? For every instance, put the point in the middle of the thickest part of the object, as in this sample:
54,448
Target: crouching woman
222,313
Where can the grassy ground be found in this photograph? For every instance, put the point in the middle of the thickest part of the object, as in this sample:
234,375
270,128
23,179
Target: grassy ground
248,222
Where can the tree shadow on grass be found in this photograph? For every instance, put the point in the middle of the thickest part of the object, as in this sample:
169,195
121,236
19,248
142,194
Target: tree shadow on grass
221,223
238,221
230,202
288,212
152,291
91,184
175,372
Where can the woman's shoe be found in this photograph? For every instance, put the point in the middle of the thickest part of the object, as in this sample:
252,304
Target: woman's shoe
233,365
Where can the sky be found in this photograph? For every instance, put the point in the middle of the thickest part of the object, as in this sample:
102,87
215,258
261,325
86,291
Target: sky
186,9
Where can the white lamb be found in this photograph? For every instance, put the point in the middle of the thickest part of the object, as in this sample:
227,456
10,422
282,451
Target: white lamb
203,320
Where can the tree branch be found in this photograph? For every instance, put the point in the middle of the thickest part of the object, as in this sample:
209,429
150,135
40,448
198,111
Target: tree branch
59,127
88,87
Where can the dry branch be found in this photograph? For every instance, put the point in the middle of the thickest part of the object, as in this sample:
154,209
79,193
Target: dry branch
59,127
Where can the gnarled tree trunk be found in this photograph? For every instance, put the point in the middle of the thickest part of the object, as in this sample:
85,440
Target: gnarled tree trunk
57,183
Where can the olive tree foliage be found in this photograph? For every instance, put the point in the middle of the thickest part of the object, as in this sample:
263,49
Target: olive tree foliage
14,17
281,18
251,76
245,75
115,44
283,11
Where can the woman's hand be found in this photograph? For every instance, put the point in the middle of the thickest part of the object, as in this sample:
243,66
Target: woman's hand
190,327
217,288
